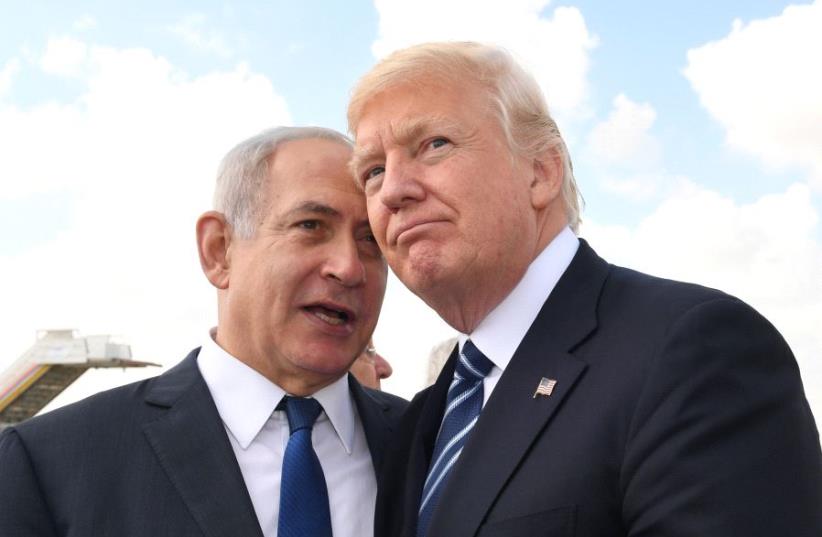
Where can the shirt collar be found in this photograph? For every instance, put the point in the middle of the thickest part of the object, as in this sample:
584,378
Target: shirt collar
339,407
502,330
245,399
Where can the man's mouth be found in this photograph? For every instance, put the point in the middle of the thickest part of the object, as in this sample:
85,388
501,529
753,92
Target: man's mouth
412,228
330,314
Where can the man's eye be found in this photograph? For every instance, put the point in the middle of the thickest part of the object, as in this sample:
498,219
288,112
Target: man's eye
372,173
308,224
436,143
369,245
366,235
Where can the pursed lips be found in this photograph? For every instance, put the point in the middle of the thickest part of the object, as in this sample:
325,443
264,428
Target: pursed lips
409,226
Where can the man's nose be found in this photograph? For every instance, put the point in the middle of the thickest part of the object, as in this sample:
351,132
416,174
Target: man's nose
382,367
401,184
343,263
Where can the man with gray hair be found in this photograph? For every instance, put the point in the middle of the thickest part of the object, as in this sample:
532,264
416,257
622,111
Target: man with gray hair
260,432
582,398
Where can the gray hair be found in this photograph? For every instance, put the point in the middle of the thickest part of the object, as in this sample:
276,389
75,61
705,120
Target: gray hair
239,193
515,95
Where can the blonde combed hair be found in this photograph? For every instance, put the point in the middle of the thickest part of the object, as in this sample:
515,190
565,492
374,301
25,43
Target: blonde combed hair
514,94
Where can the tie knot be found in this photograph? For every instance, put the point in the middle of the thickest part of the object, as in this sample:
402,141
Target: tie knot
302,412
472,364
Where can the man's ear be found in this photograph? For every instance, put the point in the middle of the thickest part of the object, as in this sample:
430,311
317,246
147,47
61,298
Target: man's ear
547,178
213,240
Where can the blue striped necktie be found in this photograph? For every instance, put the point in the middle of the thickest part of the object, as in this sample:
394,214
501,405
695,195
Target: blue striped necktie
462,409
304,510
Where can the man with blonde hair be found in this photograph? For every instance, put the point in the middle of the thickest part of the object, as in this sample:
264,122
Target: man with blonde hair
583,398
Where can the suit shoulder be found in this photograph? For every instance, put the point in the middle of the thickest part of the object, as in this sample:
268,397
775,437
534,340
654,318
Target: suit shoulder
414,408
640,281
108,404
654,312
108,410
387,400
643,293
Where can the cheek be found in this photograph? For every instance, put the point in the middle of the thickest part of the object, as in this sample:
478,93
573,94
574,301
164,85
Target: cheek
505,197
284,286
375,292
378,218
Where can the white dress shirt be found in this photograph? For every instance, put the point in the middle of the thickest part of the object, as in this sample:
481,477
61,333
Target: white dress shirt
502,330
258,434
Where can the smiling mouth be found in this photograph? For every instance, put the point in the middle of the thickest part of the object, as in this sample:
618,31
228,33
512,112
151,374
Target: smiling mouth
332,316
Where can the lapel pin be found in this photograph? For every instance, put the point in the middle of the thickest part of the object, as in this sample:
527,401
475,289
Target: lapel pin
546,387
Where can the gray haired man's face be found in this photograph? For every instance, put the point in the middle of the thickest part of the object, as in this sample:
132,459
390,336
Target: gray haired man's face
305,292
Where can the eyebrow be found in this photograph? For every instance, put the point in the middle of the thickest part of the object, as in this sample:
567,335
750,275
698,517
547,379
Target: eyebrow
317,208
360,155
314,207
402,133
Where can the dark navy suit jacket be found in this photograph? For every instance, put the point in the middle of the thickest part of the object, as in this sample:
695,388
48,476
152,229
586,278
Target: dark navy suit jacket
149,459
678,411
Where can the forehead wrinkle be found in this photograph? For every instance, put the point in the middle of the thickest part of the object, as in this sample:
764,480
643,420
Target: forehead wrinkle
402,132
407,130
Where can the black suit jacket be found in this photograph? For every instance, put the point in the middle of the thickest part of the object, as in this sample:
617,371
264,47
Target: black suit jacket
678,411
148,459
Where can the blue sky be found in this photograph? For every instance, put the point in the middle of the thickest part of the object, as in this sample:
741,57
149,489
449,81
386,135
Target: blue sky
695,130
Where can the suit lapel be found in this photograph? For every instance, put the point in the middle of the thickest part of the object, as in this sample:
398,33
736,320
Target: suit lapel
372,415
192,447
421,445
510,422
512,418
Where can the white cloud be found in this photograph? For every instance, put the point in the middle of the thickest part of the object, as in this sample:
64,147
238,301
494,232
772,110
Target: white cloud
623,153
554,49
637,186
134,103
766,252
64,56
624,138
191,29
763,84
138,150
7,74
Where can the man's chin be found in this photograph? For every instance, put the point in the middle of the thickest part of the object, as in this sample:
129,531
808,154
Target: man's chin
331,361
420,269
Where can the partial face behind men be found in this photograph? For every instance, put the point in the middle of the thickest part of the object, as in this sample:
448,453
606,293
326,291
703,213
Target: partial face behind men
370,367
305,292
449,203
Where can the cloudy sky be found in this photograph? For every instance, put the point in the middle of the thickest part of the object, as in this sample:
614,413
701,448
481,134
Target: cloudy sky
696,133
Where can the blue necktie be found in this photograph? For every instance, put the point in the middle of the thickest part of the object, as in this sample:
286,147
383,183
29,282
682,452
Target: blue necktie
462,409
304,510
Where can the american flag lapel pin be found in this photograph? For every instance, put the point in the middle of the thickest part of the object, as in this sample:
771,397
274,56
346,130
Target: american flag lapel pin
546,387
